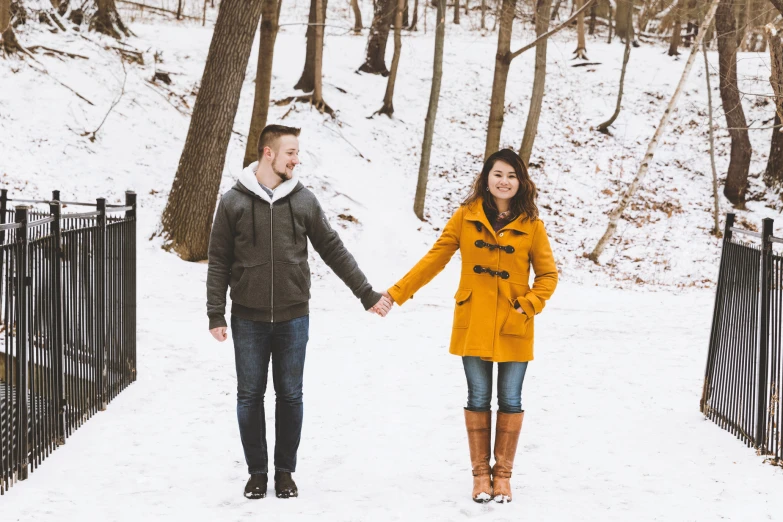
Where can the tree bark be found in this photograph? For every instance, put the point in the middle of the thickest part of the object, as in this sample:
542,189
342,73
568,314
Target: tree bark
497,106
405,14
415,18
318,95
581,44
270,16
456,12
432,111
604,127
306,82
107,20
622,28
357,15
644,167
483,14
8,41
593,14
716,199
773,176
187,218
388,104
674,44
374,62
543,9
739,162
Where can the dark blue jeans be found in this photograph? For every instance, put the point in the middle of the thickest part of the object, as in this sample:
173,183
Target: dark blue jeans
254,343
510,378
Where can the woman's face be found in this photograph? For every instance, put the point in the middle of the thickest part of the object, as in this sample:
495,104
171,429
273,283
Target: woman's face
503,182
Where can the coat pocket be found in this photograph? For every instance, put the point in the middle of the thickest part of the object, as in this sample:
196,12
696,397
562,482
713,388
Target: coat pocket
254,287
291,285
462,308
516,323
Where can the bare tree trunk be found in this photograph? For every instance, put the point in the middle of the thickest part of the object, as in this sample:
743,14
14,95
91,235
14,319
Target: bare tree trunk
318,95
622,29
741,17
716,199
543,9
107,20
676,32
388,104
739,162
609,37
593,14
306,82
497,106
432,111
7,35
415,18
187,218
773,176
405,20
581,45
266,52
456,12
604,127
556,9
625,199
179,10
357,15
483,14
374,62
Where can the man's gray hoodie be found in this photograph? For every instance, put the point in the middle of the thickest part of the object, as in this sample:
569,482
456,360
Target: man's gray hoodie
258,247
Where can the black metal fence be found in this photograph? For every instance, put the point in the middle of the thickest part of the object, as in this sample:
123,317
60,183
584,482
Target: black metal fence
744,374
67,322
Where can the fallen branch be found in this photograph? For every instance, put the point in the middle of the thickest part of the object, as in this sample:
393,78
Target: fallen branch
32,48
158,9
585,64
46,72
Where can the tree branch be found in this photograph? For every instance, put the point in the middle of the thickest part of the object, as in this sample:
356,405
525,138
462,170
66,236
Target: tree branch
555,30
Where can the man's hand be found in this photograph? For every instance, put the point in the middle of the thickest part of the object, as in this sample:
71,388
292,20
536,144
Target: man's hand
382,307
219,333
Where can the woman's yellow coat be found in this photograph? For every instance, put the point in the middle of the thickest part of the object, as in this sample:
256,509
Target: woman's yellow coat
492,281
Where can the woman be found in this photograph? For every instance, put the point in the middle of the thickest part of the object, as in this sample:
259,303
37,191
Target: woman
499,235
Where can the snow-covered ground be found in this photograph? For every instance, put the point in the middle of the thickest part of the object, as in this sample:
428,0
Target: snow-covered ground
612,430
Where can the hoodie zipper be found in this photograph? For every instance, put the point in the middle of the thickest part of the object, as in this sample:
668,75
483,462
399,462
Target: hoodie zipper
272,249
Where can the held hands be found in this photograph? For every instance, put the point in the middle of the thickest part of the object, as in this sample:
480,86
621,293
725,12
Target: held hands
383,306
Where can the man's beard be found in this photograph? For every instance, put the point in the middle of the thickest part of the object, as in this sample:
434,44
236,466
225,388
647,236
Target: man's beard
283,175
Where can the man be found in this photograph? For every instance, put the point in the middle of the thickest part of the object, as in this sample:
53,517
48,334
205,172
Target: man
258,247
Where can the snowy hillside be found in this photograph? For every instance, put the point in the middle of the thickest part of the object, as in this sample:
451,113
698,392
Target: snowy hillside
353,160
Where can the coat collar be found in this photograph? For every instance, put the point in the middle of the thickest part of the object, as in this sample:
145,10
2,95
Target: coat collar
476,213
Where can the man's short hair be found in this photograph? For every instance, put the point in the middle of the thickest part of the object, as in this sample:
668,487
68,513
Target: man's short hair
271,134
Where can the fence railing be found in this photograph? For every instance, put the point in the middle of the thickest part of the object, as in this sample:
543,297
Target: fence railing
744,373
67,322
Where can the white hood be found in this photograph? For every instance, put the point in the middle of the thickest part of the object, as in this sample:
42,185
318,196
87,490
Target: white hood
248,180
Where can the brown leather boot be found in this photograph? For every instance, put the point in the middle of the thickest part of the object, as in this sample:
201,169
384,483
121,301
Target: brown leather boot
506,437
479,424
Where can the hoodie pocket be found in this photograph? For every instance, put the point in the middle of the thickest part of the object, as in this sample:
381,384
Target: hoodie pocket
462,308
292,286
254,287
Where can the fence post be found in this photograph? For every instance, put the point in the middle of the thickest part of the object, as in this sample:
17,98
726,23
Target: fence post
130,201
55,208
101,302
3,212
766,285
23,282
716,313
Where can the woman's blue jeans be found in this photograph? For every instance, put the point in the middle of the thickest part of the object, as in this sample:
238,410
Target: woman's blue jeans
510,378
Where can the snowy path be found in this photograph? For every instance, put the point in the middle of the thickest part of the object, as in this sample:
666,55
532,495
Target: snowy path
612,431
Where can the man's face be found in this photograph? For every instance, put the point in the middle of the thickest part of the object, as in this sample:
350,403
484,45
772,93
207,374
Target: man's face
286,157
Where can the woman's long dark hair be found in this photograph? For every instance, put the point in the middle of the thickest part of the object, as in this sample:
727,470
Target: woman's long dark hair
524,201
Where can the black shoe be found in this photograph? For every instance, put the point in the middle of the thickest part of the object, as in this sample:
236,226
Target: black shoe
256,486
285,487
